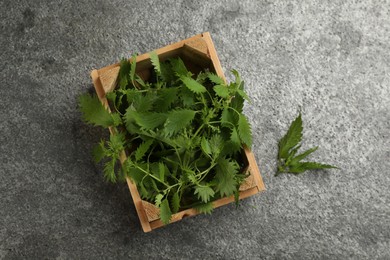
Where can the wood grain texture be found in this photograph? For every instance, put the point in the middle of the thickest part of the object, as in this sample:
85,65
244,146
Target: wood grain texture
201,49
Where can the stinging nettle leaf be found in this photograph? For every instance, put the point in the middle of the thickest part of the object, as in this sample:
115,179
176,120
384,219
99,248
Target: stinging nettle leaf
244,130
99,152
175,202
155,61
179,67
216,145
304,166
221,91
177,120
205,193
133,65
158,199
94,112
215,79
303,155
124,71
142,149
193,85
292,137
225,177
149,121
205,146
205,208
165,211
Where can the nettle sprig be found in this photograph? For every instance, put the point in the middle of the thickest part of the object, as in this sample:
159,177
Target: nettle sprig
288,160
183,134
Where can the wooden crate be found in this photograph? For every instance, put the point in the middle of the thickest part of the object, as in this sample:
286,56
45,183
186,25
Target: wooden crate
197,52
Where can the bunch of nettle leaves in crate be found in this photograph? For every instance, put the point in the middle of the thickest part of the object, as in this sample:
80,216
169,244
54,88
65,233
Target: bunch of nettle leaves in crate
183,134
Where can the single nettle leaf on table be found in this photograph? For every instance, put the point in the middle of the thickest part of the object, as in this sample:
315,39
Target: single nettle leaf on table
304,166
288,162
291,138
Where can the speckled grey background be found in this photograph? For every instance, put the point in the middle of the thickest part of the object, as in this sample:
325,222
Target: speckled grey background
329,58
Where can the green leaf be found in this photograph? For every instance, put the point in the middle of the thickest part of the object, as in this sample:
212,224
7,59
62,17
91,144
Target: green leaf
109,170
155,61
99,152
244,130
178,67
192,84
243,94
304,166
165,212
161,171
133,65
205,146
187,97
228,118
116,143
205,208
237,76
177,120
216,145
158,199
142,149
94,112
221,91
292,137
124,71
225,177
237,103
234,137
288,147
144,103
166,96
303,155
134,173
205,193
149,121
116,119
175,202
215,79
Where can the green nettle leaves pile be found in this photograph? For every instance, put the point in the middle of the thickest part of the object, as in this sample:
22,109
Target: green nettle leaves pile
288,161
183,134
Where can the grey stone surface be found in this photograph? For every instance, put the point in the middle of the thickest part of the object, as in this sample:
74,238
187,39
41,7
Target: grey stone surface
329,58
